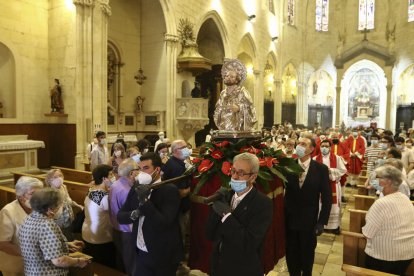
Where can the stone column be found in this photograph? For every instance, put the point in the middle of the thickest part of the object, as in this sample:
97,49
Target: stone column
277,97
91,72
258,98
389,108
338,117
302,104
171,79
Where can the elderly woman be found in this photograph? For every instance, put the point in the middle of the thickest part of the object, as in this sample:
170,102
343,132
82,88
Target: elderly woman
389,227
44,247
54,179
11,218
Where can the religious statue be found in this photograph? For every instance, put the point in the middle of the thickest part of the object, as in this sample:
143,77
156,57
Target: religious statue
234,109
390,36
340,45
196,92
56,101
139,101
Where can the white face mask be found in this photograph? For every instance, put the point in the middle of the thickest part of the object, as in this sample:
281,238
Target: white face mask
144,178
27,203
117,153
103,142
145,151
57,182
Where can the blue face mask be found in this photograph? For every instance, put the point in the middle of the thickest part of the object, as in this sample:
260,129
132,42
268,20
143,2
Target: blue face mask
379,162
300,151
325,151
238,185
383,146
137,158
185,153
375,184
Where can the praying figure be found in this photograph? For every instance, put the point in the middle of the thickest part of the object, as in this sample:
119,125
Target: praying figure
234,109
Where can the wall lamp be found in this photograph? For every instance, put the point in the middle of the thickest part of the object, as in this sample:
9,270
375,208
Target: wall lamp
274,38
251,17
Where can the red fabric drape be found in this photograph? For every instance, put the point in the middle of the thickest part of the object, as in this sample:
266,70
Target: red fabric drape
200,247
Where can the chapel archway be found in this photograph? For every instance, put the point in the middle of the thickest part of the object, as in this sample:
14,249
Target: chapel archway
405,99
289,94
8,83
364,97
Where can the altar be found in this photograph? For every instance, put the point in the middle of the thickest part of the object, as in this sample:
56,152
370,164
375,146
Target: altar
17,153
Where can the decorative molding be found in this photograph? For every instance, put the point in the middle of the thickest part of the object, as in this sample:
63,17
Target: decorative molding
106,9
170,38
86,3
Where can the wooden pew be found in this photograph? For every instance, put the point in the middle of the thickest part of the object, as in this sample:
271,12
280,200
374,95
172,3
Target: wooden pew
362,190
7,195
363,202
363,173
354,246
356,220
362,180
75,175
76,190
352,270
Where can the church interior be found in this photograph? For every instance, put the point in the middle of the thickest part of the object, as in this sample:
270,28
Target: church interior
70,68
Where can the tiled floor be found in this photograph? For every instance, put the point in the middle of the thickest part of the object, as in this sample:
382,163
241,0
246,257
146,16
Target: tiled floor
328,253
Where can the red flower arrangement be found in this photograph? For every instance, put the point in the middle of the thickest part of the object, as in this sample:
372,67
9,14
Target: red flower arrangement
217,158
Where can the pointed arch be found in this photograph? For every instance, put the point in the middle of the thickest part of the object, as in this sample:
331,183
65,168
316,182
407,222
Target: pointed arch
169,17
213,15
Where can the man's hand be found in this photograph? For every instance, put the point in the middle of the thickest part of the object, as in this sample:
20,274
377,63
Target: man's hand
221,208
319,229
135,214
143,191
76,245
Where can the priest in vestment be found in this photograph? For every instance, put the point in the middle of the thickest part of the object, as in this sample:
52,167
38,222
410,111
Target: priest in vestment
356,145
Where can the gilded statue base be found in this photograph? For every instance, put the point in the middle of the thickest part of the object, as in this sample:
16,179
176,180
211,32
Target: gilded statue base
234,136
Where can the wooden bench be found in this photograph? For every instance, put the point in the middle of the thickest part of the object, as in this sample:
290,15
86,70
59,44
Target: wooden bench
352,270
363,173
356,220
75,175
362,190
354,246
364,202
362,180
7,195
76,190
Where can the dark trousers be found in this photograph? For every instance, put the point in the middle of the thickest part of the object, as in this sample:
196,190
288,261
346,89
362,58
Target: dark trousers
102,253
125,248
300,251
146,266
393,267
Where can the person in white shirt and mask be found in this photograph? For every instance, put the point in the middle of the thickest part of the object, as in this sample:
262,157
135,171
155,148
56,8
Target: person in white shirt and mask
154,214
99,154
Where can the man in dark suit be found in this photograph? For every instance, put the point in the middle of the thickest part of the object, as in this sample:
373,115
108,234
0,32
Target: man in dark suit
154,214
238,222
304,220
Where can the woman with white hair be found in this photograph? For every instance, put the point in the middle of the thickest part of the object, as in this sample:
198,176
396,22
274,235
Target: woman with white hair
11,218
54,179
389,227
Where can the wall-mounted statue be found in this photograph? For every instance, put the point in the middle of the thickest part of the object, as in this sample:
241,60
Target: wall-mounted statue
234,110
56,101
139,101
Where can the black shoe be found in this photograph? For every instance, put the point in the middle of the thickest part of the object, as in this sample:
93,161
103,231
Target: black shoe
336,231
343,199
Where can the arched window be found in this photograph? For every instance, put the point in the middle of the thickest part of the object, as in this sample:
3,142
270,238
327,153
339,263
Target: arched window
410,10
366,14
322,15
291,12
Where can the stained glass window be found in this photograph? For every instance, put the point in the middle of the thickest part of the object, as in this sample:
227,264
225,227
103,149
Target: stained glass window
366,14
322,15
410,10
291,12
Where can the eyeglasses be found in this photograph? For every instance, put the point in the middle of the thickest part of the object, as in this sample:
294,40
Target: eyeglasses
239,173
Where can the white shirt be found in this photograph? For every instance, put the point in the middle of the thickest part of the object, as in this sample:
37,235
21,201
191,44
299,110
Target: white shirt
11,218
96,228
99,155
305,165
235,200
389,228
335,174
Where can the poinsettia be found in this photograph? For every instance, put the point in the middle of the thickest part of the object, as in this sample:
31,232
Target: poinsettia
216,159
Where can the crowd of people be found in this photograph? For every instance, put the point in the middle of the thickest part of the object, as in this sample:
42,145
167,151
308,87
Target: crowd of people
142,231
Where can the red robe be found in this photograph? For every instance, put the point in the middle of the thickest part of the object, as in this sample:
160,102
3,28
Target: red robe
354,166
342,150
332,164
